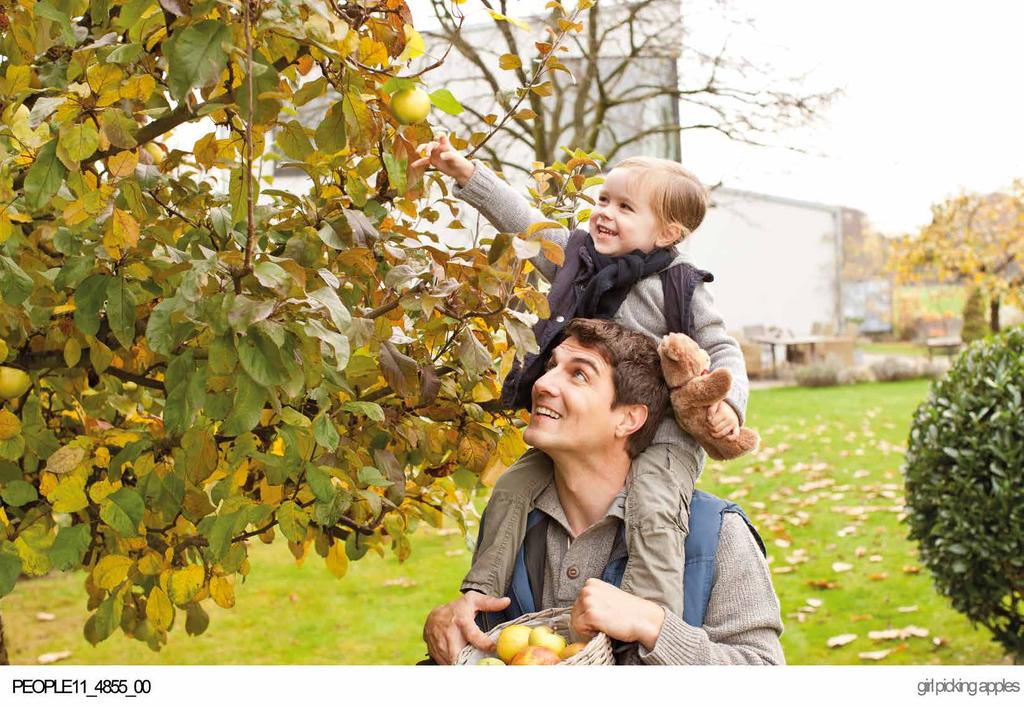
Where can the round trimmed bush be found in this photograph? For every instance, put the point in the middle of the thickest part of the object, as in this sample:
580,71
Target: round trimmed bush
965,485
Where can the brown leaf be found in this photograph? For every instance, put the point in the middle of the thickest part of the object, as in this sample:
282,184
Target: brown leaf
911,569
821,584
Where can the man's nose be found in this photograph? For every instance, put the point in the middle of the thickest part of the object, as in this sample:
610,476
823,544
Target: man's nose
545,385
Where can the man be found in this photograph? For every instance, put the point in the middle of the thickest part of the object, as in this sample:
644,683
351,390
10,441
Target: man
599,402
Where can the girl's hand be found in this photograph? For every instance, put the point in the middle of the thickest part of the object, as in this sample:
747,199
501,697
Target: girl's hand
723,421
440,155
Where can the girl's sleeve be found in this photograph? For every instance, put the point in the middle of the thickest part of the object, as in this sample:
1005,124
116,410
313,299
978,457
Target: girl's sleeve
508,211
725,352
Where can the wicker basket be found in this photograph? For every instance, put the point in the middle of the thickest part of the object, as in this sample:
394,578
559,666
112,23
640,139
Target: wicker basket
598,650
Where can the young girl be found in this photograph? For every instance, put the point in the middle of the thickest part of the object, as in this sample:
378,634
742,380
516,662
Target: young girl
644,207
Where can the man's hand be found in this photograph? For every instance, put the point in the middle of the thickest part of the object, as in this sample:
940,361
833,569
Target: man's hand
723,421
601,607
451,626
440,155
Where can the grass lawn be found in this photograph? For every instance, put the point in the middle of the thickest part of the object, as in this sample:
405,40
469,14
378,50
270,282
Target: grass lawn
825,492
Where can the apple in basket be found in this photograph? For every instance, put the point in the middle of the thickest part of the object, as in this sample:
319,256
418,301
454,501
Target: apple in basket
572,649
546,638
535,655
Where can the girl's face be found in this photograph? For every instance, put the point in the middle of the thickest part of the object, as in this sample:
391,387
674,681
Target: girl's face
622,220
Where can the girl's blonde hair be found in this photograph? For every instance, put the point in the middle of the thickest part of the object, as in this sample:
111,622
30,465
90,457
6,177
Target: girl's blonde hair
676,196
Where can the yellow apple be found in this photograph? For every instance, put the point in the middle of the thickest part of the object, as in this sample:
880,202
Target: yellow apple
570,650
410,105
546,638
13,382
535,655
512,640
489,661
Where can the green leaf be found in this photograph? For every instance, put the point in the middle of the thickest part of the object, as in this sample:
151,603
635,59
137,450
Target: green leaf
79,141
250,397
397,171
443,99
68,550
89,299
10,567
330,134
123,511
15,284
224,528
271,275
44,177
120,130
325,432
356,547
125,54
339,314
371,410
196,56
107,617
261,358
18,493
121,311
293,521
238,193
293,141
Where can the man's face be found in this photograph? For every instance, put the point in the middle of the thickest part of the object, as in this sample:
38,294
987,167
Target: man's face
572,402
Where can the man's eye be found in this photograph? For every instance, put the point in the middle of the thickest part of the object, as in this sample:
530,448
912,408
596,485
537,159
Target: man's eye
580,375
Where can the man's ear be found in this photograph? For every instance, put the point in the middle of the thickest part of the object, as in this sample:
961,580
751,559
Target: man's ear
632,419
670,234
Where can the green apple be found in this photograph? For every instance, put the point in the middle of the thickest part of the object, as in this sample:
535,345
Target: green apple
13,382
410,105
546,638
490,661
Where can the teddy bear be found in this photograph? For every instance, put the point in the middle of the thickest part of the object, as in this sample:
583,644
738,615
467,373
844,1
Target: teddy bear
694,389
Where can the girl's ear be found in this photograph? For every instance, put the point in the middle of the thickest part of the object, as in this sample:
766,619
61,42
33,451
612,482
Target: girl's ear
670,234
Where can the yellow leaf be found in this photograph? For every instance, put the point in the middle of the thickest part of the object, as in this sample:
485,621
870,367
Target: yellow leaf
159,610
10,425
124,228
103,77
101,489
205,150
222,592
271,495
68,496
34,562
151,564
414,46
337,560
101,457
47,483
184,584
139,88
123,163
110,571
65,459
510,61
4,520
553,252
372,52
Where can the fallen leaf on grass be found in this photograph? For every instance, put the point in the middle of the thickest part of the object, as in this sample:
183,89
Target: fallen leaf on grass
45,616
841,567
860,551
874,655
47,658
783,569
938,641
454,553
875,558
814,602
911,569
447,531
399,582
898,633
907,609
841,640
822,584
293,598
854,618
878,576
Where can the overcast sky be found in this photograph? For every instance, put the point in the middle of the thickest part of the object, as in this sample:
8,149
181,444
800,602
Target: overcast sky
933,101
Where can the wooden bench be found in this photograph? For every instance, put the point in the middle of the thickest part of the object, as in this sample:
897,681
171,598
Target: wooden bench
948,345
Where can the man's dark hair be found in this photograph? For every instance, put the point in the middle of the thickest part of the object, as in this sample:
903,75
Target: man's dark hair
636,371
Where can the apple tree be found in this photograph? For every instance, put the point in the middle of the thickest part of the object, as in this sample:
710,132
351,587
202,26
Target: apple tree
211,361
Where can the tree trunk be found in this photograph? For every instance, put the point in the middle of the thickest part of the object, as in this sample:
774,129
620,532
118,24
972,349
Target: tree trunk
4,660
993,314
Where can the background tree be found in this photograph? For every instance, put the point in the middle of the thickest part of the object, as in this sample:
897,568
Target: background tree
974,239
205,367
975,325
618,88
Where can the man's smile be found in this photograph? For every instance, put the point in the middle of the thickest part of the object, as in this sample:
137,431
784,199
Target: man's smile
546,412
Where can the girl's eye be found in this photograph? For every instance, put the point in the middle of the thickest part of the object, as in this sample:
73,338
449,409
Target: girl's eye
627,207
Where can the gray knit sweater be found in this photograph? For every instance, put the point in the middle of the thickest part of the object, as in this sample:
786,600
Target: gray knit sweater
644,307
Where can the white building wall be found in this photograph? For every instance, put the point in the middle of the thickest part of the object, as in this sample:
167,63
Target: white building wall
774,260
